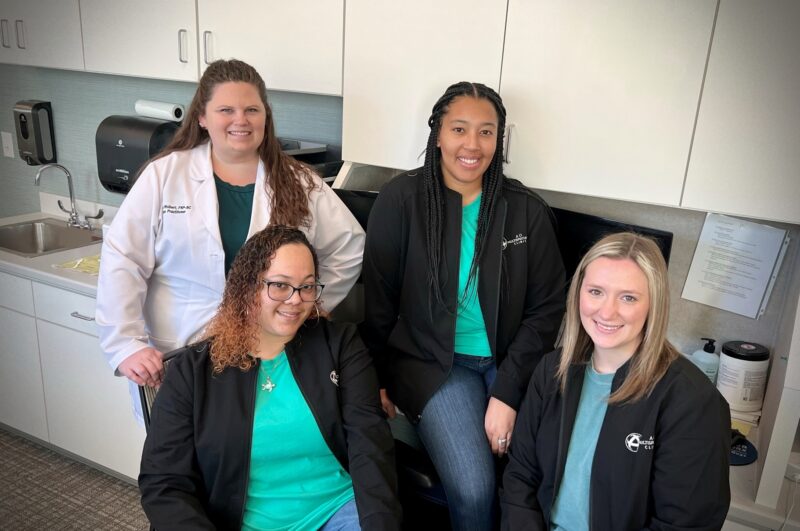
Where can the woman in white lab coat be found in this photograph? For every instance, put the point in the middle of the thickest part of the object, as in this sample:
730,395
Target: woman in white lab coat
222,179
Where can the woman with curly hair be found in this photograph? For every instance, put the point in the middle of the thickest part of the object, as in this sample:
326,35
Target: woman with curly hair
222,179
273,420
618,430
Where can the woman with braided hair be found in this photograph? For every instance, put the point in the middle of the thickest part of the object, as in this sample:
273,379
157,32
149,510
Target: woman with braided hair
464,289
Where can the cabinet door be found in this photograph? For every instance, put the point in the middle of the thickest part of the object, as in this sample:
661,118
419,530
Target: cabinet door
745,156
603,95
295,46
146,38
88,408
9,14
21,395
41,33
399,57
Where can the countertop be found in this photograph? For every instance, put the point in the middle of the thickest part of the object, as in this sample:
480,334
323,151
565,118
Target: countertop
40,268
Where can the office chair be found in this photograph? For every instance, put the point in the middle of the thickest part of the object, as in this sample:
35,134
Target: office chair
147,394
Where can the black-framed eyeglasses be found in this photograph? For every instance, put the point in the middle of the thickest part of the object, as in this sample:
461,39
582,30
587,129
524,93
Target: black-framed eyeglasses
282,291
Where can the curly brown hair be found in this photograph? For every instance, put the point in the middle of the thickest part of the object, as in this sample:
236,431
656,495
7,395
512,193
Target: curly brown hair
288,181
234,330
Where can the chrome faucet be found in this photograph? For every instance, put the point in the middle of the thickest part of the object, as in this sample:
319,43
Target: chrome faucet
74,217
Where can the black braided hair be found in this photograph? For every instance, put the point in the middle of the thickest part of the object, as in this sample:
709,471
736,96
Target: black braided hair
433,183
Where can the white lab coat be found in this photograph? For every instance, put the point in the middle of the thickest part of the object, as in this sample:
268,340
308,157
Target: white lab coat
162,267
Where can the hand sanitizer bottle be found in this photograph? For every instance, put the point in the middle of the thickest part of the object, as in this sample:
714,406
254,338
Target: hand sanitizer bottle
706,359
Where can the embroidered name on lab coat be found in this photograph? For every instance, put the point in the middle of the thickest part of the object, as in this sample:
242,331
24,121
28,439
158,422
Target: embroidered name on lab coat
175,209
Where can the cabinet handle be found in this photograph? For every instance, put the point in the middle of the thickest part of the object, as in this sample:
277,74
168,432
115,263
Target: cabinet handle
206,35
507,146
4,33
20,34
182,33
82,317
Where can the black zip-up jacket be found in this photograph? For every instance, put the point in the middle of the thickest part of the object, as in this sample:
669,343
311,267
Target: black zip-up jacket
196,458
660,463
520,287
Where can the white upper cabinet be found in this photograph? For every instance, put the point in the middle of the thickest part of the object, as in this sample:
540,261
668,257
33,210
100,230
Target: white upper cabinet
41,33
603,95
145,38
746,152
399,57
295,46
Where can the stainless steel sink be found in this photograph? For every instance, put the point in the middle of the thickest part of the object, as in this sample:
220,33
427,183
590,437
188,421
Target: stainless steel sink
44,236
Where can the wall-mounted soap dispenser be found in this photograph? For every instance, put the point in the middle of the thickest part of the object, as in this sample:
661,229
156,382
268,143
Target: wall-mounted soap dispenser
33,120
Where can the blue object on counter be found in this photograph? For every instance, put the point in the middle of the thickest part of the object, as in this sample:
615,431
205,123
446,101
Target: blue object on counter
742,451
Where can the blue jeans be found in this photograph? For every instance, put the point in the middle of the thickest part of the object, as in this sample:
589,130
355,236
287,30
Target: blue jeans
452,429
345,519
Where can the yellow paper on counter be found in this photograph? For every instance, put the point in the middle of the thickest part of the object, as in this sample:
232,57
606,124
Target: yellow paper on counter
743,427
88,264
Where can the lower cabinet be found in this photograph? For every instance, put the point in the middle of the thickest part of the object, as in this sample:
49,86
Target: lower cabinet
88,408
55,384
21,395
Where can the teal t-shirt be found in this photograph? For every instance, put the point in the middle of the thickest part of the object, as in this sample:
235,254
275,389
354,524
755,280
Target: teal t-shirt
235,207
470,328
571,508
295,482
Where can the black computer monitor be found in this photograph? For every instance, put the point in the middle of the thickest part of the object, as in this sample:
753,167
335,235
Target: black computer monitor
577,232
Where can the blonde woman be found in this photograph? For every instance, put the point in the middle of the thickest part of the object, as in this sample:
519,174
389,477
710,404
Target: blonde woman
618,430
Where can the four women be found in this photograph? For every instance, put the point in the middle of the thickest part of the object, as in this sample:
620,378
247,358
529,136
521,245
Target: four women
274,419
222,179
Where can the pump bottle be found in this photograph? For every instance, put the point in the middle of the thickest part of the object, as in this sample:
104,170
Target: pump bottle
706,359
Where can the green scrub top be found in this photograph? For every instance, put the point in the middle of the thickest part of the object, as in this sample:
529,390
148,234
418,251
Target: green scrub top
235,207
295,480
471,335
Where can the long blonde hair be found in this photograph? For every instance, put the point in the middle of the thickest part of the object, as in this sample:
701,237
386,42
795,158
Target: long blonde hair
655,353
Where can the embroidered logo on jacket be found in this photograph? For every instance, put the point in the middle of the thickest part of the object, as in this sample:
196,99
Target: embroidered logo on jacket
519,239
335,378
634,441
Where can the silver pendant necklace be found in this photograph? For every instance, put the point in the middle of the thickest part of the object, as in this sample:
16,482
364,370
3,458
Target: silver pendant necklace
269,385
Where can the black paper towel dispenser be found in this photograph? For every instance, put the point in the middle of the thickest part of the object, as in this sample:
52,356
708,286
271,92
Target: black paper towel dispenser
124,144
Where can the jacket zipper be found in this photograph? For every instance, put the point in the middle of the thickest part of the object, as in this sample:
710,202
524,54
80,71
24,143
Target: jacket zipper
249,444
497,294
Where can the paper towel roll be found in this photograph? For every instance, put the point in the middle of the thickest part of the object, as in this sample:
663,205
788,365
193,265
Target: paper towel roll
159,109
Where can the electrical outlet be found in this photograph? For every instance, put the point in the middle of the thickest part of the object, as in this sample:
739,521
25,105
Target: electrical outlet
793,471
8,144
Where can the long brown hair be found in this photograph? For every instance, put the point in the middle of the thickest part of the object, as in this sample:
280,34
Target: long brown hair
288,181
655,353
234,330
